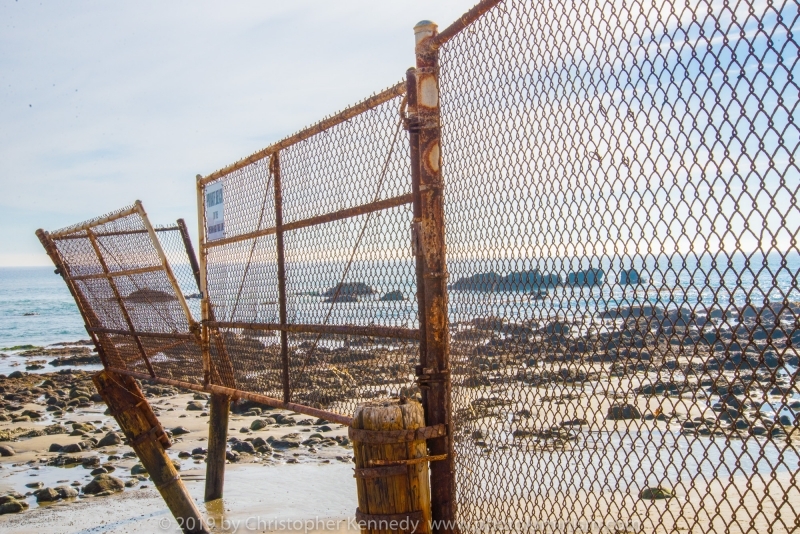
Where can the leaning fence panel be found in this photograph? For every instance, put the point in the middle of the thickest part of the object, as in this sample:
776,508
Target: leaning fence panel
622,207
134,306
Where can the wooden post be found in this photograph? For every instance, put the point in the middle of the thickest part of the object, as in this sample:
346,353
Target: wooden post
435,375
391,467
138,422
220,405
275,169
217,440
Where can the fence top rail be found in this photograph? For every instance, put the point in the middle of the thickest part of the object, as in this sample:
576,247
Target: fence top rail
459,24
120,232
99,221
325,124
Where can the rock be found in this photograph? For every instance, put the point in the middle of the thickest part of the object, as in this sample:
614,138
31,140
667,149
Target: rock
65,492
199,450
13,506
104,484
47,495
741,424
54,447
99,471
393,296
629,277
35,485
138,469
232,456
112,438
91,462
258,424
656,493
588,277
6,450
349,289
132,482
623,411
288,441
244,446
72,447
17,374
578,421
184,454
196,406
179,431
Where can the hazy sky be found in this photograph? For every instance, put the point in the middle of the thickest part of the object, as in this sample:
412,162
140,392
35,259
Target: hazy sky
103,103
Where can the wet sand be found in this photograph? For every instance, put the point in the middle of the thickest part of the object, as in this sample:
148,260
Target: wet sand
311,480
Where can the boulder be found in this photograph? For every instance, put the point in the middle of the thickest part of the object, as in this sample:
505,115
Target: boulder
258,424
72,447
65,492
102,484
196,406
112,438
12,506
6,450
179,431
656,493
623,411
46,495
138,469
244,446
289,441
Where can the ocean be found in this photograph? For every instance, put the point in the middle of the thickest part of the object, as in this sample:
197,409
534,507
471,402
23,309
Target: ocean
36,307
41,292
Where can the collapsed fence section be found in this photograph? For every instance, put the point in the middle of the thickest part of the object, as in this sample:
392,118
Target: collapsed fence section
309,274
137,311
622,243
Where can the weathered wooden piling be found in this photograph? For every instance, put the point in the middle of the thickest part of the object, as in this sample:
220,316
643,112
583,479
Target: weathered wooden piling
217,439
392,473
127,404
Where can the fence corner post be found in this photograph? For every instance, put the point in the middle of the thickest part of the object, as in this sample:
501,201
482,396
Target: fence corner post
434,374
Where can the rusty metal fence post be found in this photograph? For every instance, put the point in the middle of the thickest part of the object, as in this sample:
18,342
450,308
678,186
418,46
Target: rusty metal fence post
434,374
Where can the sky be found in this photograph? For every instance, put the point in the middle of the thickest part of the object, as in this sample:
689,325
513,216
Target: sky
104,103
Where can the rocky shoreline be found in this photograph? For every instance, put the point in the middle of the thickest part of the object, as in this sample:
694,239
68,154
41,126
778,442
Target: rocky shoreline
59,444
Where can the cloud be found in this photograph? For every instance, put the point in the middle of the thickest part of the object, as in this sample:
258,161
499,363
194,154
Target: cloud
105,103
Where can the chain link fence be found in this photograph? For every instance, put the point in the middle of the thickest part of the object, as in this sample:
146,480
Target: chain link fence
310,280
622,222
139,312
621,225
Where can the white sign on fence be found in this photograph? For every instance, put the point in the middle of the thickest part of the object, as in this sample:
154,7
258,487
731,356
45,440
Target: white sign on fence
215,212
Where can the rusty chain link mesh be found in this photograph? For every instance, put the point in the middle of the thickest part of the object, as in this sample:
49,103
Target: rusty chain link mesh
354,269
622,223
122,288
